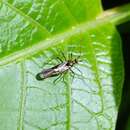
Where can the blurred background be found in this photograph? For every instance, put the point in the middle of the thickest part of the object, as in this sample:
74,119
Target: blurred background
123,121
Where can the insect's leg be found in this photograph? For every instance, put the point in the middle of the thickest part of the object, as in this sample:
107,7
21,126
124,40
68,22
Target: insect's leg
78,70
72,71
59,59
44,64
72,74
60,52
64,76
57,79
80,52
81,77
63,56
70,56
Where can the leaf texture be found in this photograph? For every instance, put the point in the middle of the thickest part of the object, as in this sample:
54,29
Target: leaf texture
32,35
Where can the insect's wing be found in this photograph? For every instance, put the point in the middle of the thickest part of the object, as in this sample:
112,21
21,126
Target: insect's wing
51,72
44,74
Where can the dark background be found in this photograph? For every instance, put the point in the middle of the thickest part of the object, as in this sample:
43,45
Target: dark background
124,30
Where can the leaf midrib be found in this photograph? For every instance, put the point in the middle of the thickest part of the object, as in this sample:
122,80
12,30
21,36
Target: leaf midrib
49,42
59,38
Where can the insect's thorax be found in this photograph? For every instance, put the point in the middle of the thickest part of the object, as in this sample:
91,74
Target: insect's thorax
62,67
65,66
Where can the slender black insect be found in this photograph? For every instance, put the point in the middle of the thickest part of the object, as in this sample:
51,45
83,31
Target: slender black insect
59,69
56,70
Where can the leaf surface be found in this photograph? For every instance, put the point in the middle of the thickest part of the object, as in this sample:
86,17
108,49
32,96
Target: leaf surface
32,35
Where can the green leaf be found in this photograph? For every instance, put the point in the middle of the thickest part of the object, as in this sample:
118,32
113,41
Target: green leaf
32,35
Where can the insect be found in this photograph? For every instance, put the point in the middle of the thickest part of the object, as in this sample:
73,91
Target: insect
59,69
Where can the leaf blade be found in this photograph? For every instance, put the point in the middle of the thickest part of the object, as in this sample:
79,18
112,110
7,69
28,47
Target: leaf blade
43,106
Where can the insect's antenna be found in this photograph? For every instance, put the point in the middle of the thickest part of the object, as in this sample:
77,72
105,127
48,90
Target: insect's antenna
78,57
80,50
70,57
63,55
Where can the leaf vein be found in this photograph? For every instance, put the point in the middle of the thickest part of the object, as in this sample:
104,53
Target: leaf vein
31,20
22,98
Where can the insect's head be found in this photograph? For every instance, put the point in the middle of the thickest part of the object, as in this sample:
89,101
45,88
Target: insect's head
72,62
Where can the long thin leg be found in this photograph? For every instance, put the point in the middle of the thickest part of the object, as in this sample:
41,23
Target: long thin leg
78,70
64,76
78,57
49,61
40,65
73,75
81,76
62,54
70,56
57,79
72,71
59,59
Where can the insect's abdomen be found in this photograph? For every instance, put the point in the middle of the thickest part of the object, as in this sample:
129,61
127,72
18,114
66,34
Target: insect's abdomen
45,74
40,76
